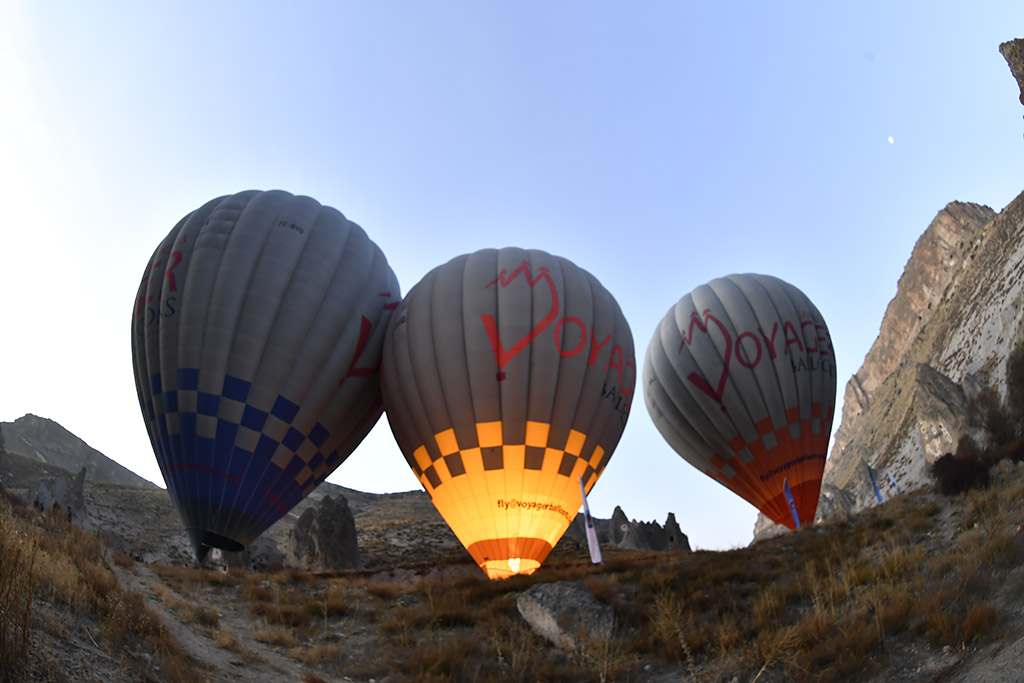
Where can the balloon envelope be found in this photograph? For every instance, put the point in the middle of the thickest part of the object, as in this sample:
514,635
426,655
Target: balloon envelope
507,377
740,379
256,338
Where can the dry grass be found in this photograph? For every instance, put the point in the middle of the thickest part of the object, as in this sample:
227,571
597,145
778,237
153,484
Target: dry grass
822,604
43,557
828,603
17,560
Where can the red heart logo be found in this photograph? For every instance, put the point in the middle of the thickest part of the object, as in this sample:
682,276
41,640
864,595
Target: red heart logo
501,354
699,380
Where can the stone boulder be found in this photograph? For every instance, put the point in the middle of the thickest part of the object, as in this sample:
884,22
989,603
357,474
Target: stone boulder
567,614
324,538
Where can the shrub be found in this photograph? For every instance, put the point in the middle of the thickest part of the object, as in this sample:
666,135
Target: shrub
274,635
987,413
1015,385
1013,451
962,471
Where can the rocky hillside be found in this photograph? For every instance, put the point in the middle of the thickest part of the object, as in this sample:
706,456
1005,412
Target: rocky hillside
957,314
924,588
43,463
48,443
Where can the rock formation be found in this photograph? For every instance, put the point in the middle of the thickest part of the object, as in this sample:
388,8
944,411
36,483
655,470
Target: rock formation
63,495
938,257
634,535
324,538
622,532
567,614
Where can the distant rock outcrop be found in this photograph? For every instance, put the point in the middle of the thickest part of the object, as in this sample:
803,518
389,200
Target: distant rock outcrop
324,538
46,441
621,532
634,535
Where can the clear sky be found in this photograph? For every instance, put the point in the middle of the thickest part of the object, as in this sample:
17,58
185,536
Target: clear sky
656,144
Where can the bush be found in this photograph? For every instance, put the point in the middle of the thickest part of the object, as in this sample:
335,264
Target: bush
962,471
1015,385
987,413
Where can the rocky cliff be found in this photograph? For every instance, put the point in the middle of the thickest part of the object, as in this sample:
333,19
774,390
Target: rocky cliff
956,316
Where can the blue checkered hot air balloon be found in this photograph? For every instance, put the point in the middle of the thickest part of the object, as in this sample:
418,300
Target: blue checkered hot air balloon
256,338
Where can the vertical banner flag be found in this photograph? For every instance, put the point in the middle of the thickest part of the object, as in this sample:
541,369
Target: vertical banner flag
792,503
595,547
871,475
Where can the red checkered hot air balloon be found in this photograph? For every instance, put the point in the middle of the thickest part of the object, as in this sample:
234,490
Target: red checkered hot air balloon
740,379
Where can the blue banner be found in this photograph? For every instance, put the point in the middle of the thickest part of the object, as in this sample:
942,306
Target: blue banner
792,503
871,475
893,480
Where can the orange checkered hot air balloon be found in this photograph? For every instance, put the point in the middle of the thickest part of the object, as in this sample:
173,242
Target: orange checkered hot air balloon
507,377
740,379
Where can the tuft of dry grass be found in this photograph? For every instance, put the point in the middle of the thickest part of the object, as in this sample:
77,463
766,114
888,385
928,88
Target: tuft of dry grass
17,561
45,557
275,635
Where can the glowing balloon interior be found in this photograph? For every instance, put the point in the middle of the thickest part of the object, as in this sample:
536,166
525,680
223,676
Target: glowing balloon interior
740,379
256,339
507,376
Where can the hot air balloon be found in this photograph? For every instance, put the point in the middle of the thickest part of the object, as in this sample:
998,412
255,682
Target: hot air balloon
507,378
256,338
740,379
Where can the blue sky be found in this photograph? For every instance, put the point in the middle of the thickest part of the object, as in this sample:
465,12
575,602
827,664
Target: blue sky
656,144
